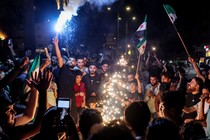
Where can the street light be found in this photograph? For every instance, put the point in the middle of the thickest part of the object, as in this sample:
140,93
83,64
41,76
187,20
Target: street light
128,8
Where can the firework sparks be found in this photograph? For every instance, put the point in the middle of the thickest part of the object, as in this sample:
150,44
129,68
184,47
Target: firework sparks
115,94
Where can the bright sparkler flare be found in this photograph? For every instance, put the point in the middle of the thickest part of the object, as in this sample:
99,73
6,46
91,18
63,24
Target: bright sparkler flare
3,36
70,9
64,16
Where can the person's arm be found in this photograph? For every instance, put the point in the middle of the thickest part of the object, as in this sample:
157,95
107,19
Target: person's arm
188,109
138,83
164,67
45,64
13,74
148,57
41,83
197,70
29,113
201,111
55,90
58,53
10,45
158,61
200,114
180,81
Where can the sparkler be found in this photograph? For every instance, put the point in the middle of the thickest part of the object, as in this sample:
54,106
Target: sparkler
114,94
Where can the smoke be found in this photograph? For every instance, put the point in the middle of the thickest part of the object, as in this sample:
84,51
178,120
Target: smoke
71,10
100,3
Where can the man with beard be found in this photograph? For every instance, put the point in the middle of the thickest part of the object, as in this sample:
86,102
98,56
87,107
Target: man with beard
92,82
66,80
151,93
192,98
80,65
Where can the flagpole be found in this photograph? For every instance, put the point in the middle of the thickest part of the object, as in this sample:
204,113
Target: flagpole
138,64
177,32
181,40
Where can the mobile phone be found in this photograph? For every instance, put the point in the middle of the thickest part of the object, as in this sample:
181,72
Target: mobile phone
63,103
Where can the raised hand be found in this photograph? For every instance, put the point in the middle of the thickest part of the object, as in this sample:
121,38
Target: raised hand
55,41
137,76
191,60
24,62
41,81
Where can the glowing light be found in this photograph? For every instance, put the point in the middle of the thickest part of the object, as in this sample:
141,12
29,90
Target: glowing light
115,94
128,8
129,52
3,36
64,16
154,48
109,8
70,8
122,61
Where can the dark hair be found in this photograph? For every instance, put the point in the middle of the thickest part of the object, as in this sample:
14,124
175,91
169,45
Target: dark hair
168,74
164,87
162,129
88,118
134,81
50,128
174,99
153,75
92,99
199,81
115,130
206,85
192,131
77,72
174,102
137,115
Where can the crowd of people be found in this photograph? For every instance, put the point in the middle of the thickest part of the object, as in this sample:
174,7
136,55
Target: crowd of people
161,101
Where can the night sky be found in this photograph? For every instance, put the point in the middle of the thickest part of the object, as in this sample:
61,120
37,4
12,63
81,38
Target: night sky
93,25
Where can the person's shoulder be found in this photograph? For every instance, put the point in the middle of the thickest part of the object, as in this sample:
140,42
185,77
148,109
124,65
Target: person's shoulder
148,86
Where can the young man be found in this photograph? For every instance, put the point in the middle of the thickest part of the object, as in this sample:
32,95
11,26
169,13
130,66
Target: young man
192,98
135,93
81,65
151,93
92,82
17,127
66,80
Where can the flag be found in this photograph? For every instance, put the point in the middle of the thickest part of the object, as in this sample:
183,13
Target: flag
141,31
33,68
171,12
142,46
141,36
